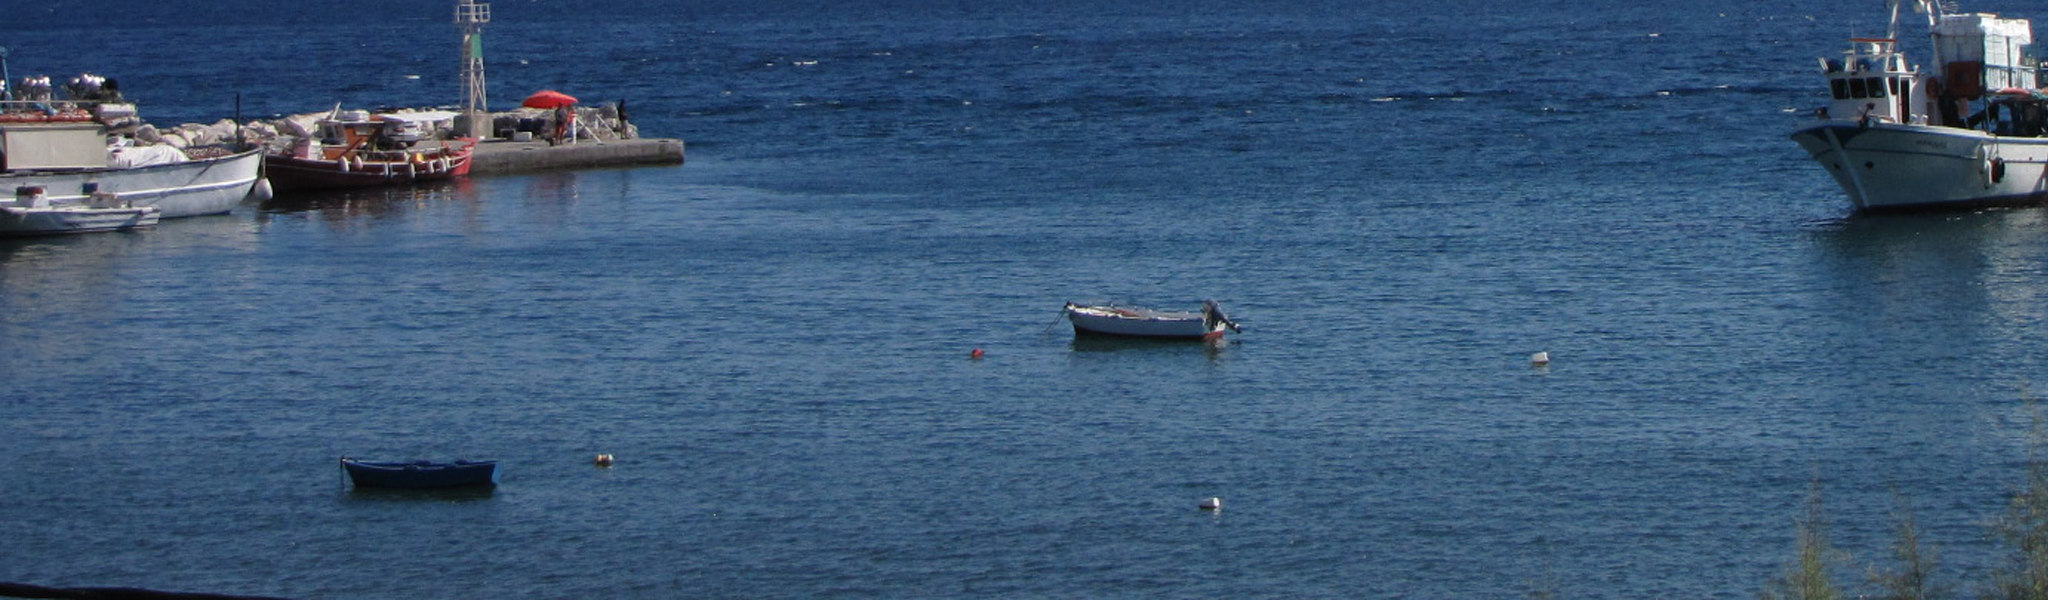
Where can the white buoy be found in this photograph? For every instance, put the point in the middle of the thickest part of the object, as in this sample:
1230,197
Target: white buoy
259,192
603,460
1212,504
1540,359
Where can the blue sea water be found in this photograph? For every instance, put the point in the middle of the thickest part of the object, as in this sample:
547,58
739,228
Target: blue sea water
1400,203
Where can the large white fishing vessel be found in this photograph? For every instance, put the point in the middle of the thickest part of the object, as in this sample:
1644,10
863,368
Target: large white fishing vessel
1971,133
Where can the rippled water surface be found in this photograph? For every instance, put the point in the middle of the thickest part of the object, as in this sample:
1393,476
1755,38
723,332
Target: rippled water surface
773,340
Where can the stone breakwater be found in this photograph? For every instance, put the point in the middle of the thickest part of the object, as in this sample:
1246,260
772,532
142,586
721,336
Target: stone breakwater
522,139
593,123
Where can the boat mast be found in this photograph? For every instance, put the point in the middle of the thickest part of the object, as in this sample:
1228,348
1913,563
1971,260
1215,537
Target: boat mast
1934,10
1891,28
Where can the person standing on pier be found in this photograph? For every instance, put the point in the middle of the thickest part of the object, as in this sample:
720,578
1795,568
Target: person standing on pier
565,124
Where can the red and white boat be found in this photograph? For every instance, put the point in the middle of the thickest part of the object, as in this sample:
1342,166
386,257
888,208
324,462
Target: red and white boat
354,149
1109,319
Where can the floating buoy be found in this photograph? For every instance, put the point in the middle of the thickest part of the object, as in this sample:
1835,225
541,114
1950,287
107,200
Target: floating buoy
976,354
1212,504
1540,359
604,460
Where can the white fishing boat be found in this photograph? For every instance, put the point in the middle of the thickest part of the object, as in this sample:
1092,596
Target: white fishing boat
1108,319
32,214
67,154
80,146
1972,133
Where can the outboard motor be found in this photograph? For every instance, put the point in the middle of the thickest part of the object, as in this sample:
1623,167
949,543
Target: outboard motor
1211,315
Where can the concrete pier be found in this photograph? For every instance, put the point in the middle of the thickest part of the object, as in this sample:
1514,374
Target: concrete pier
506,157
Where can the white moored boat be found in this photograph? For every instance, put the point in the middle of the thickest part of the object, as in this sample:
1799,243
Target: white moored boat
74,150
1974,133
70,159
1209,323
32,214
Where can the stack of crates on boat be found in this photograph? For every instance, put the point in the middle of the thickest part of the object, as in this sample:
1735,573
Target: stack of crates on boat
1983,53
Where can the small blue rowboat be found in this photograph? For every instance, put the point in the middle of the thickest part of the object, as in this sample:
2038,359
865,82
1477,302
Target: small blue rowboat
419,475
1113,320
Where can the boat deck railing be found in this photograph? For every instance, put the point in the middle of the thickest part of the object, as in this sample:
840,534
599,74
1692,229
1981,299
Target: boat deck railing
50,104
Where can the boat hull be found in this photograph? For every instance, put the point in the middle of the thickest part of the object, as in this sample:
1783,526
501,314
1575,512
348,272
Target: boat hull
1140,323
1889,167
209,186
420,475
288,173
18,222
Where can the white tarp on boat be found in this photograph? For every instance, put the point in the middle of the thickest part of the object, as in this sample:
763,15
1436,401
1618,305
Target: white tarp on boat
143,156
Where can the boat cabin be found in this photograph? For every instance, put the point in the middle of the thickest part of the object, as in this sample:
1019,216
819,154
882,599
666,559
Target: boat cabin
1872,82
52,146
44,134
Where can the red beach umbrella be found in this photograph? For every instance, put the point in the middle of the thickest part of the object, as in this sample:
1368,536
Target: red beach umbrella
548,99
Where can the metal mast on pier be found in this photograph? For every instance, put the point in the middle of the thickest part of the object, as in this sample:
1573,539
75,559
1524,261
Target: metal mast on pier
471,16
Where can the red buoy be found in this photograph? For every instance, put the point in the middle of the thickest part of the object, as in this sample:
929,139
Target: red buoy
976,354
